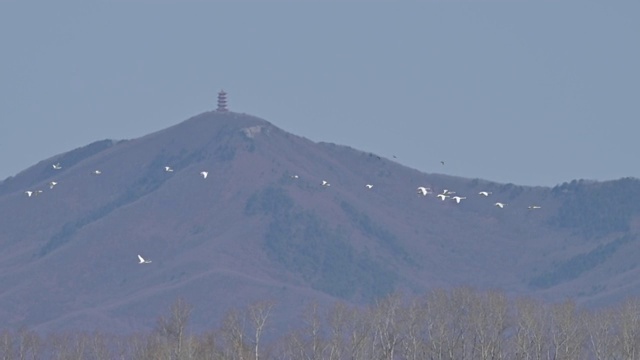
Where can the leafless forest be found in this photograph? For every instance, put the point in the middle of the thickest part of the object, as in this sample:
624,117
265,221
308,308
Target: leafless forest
445,324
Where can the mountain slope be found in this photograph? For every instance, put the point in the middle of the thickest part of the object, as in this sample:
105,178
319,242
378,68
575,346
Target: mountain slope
252,231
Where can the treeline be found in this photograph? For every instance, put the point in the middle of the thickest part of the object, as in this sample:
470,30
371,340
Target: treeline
453,324
595,209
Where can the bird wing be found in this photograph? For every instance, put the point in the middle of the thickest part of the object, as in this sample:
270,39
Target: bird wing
141,259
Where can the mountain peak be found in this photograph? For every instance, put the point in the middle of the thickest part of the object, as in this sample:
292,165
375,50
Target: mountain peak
265,224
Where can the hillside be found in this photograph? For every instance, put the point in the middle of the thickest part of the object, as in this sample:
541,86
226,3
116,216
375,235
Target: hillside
262,226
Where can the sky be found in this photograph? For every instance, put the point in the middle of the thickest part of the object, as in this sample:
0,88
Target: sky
525,92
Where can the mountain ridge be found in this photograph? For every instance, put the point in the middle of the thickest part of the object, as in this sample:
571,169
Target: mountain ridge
253,231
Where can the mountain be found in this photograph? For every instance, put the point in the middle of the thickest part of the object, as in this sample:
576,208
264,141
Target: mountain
251,230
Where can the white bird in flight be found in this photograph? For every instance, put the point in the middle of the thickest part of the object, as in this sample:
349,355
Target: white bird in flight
204,174
500,205
423,190
143,261
57,166
485,193
97,172
446,191
458,198
443,196
168,169
52,184
369,186
294,176
325,183
532,207
31,193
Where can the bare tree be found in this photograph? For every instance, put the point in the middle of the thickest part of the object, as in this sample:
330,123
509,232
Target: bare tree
6,345
122,347
173,328
29,345
448,327
144,346
338,318
531,332
438,326
58,345
488,321
259,313
348,333
68,345
628,334
99,346
416,332
600,329
358,328
309,341
207,347
566,334
233,332
387,328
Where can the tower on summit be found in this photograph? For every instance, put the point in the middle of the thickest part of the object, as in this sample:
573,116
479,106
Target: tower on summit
222,101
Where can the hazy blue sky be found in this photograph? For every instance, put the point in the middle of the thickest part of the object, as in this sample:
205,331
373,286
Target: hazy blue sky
532,93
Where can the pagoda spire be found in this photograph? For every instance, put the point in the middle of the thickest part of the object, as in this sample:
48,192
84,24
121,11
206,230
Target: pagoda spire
222,101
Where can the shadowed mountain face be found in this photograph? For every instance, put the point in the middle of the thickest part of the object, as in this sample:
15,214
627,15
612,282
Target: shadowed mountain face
261,226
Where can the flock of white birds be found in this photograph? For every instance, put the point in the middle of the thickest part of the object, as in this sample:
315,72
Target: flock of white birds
52,184
422,191
446,194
